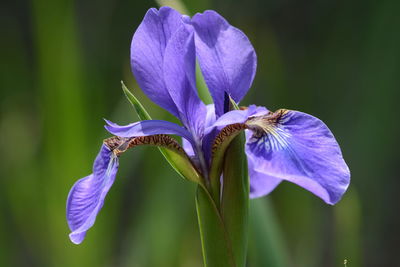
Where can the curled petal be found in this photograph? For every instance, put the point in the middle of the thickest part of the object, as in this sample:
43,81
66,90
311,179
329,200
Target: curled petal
226,57
237,116
299,148
147,54
86,197
231,117
180,78
169,147
148,127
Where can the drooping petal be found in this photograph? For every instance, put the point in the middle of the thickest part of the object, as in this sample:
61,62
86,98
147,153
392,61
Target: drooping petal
180,78
167,145
261,184
146,128
226,57
299,148
86,197
147,54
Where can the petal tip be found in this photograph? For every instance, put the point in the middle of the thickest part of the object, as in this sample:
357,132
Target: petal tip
109,122
77,238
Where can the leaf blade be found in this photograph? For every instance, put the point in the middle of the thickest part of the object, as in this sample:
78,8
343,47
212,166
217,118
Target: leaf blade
216,246
235,198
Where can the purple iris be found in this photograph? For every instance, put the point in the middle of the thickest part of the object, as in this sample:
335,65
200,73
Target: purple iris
282,145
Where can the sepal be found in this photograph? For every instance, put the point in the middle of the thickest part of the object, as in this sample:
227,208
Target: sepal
299,148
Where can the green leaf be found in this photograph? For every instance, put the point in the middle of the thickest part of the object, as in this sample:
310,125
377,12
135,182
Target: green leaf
233,105
182,165
229,158
175,4
202,88
219,148
235,198
178,161
216,246
267,246
140,110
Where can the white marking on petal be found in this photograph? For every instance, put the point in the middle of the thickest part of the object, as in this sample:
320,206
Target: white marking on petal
268,133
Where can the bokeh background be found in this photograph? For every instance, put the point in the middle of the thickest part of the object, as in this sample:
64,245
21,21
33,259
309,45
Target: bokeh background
61,66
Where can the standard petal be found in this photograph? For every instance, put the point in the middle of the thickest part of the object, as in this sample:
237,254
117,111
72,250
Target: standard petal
210,117
180,78
299,148
187,146
226,57
209,121
86,197
147,54
149,127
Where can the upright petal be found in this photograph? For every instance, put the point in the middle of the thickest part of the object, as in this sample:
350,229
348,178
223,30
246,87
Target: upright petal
86,197
180,78
146,128
210,117
299,148
209,121
226,57
147,54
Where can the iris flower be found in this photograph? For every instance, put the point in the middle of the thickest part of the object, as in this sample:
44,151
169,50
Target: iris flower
284,145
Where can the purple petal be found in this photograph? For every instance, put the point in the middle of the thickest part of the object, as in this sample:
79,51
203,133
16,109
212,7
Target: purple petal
187,146
261,184
301,149
231,117
149,127
210,117
147,54
86,197
209,121
237,116
180,78
226,57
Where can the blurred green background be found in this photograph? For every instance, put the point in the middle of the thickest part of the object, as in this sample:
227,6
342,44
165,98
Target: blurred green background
61,66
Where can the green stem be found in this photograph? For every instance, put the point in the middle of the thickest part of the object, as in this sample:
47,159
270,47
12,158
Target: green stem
235,198
215,240
224,226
